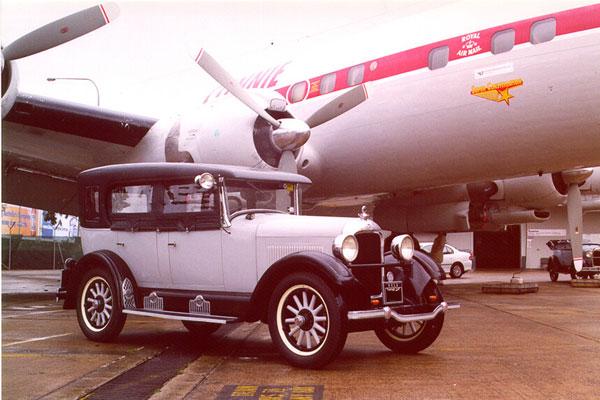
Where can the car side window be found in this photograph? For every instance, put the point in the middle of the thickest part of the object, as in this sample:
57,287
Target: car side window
188,198
448,250
131,199
91,206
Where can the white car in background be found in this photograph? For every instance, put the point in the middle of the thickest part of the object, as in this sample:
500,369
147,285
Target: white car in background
456,262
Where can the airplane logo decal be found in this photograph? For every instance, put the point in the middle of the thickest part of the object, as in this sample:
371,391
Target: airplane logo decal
497,91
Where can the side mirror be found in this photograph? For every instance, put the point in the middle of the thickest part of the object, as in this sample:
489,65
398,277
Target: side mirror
205,181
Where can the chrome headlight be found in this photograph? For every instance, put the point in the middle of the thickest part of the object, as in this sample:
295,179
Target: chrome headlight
346,247
403,247
205,181
588,254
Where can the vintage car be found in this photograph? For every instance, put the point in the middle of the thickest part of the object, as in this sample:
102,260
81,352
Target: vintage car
214,244
561,261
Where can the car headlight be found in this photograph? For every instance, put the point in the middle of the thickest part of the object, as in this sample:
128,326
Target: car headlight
205,181
346,247
588,254
403,247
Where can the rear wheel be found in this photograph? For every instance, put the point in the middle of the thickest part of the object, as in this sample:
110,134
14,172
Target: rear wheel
411,337
200,328
99,314
306,322
456,270
553,276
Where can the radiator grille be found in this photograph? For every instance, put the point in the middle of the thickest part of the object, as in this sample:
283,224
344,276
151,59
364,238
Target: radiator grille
369,248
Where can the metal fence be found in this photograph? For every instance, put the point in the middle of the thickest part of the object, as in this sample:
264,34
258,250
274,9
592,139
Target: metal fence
22,252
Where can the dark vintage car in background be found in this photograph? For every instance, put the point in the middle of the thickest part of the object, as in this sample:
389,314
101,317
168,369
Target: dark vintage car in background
561,261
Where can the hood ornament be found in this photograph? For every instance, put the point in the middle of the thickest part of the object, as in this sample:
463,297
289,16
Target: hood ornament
363,213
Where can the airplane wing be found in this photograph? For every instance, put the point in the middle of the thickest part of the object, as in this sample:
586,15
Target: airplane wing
47,142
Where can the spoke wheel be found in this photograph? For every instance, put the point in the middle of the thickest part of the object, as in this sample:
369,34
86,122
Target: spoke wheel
405,332
306,322
411,337
97,304
98,310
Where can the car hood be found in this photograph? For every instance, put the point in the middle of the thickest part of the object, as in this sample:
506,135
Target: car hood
296,226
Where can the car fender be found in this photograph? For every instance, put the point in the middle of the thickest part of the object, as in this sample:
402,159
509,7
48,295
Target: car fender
102,258
329,268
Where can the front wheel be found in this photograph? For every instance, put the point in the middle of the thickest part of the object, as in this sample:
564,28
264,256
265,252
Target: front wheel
99,314
306,321
553,276
411,337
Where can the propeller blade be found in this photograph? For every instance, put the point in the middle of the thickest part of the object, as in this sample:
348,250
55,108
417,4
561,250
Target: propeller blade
219,74
575,218
287,162
338,106
61,31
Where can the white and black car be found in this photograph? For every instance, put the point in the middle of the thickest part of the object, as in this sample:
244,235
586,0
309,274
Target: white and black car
214,244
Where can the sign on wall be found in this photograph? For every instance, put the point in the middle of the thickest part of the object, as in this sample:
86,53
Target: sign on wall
546,232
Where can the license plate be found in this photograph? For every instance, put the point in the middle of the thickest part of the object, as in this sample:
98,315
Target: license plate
392,292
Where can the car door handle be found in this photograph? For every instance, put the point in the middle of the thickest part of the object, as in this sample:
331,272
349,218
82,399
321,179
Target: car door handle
173,244
121,244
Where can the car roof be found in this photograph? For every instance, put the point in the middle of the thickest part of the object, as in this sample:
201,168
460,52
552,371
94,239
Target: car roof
161,171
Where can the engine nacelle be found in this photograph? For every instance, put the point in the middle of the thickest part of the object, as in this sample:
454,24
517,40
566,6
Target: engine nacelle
515,215
10,83
535,192
223,131
445,217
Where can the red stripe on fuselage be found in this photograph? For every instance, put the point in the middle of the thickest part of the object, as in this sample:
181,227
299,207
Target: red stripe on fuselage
104,14
570,21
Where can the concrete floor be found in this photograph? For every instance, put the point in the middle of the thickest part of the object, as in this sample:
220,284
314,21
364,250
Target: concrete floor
535,346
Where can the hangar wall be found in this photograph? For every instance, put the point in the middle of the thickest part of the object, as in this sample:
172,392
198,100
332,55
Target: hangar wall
536,235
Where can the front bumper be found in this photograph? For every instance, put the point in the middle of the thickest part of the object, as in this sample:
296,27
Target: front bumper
387,313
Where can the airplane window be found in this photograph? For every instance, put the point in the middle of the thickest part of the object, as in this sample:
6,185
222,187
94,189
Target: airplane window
298,92
503,41
327,83
356,75
543,31
438,57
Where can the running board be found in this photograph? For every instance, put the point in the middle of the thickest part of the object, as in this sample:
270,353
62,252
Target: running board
212,319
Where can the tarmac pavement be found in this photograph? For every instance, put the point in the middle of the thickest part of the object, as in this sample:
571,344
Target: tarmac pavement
543,345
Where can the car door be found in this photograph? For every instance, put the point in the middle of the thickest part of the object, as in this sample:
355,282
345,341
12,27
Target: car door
449,257
190,237
133,222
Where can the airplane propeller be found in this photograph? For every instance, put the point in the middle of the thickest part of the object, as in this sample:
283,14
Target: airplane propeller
573,178
61,31
46,37
288,134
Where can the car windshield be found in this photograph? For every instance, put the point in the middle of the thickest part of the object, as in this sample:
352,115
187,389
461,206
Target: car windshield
243,195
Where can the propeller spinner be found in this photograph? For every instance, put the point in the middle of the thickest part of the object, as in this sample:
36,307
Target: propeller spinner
287,134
